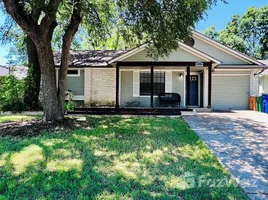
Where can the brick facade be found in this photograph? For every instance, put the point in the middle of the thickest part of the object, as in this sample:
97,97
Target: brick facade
99,86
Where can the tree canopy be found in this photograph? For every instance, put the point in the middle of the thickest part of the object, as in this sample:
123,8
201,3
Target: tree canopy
161,23
247,34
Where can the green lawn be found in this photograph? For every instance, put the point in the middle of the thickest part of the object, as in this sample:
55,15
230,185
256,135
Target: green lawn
113,158
14,118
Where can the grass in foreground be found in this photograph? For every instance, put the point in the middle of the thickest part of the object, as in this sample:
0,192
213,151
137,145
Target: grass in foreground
113,158
14,118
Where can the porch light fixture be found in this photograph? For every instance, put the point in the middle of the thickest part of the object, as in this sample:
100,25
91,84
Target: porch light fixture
199,64
180,74
255,75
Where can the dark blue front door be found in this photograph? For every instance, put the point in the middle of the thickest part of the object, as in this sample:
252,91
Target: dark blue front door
193,90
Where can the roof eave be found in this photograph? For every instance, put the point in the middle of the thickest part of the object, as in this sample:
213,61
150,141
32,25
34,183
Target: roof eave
231,51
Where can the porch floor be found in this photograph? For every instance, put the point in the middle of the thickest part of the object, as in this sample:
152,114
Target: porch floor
129,111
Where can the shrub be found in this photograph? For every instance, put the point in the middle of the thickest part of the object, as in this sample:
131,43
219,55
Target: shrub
70,105
11,94
134,103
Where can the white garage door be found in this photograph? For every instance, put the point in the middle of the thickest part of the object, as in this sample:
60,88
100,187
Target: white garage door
230,92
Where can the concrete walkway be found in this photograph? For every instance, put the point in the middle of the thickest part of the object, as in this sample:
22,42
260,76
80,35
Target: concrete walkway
239,139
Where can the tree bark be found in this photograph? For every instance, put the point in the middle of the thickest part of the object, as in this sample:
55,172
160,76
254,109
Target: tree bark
32,90
41,35
66,47
51,102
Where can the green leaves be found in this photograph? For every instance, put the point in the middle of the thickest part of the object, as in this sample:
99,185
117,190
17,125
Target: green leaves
247,34
11,94
163,23
127,24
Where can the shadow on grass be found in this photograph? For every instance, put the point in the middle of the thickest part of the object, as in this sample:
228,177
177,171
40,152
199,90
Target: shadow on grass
112,158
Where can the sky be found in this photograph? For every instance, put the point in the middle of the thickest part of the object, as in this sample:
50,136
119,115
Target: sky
219,16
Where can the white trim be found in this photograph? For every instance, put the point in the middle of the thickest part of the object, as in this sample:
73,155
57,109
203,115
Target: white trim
199,91
78,97
155,96
231,74
73,75
189,49
136,83
184,82
198,53
194,73
218,69
138,90
156,70
120,74
168,82
251,82
129,53
225,48
235,66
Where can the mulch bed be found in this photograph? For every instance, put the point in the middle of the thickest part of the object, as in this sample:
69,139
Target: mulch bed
36,126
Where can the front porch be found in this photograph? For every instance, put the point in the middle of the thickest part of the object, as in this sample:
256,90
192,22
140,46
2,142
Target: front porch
191,80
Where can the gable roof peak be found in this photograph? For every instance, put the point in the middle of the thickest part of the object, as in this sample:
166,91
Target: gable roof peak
225,48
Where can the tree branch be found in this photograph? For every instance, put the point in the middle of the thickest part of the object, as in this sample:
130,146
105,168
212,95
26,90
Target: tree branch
71,30
24,20
48,23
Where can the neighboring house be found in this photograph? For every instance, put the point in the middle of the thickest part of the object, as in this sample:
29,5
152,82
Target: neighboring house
19,72
204,72
264,78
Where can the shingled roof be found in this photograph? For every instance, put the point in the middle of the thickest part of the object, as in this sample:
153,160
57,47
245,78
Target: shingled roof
19,72
90,58
265,72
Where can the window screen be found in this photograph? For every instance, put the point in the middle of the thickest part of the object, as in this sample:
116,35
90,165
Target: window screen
145,83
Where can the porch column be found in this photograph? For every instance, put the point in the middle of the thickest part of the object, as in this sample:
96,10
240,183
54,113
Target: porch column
117,85
188,87
152,87
209,85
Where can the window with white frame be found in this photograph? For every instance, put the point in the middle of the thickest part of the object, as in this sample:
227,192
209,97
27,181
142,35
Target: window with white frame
145,83
73,72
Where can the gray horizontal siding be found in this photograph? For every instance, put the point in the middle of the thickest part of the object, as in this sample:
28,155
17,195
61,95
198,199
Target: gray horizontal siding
127,89
76,84
178,85
231,72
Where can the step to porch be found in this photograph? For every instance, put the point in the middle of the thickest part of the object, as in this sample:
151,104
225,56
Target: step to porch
188,113
202,109
133,111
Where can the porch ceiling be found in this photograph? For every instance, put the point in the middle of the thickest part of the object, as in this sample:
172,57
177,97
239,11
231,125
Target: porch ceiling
175,68
159,64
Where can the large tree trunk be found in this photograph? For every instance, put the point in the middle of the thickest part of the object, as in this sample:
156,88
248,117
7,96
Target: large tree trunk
31,96
41,34
52,104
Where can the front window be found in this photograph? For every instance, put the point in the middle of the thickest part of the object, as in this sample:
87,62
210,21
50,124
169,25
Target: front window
73,72
145,83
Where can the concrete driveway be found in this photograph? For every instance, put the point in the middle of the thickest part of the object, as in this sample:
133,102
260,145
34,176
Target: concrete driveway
239,139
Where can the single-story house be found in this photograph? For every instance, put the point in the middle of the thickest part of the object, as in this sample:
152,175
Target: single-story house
205,73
